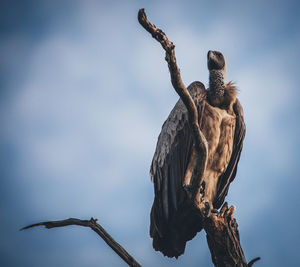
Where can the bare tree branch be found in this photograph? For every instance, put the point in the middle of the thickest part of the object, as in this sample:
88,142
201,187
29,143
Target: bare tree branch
92,223
199,139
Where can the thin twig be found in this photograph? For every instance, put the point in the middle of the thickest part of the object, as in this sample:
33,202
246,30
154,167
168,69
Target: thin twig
92,223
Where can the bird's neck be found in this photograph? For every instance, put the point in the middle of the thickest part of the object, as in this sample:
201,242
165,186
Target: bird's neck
217,88
217,82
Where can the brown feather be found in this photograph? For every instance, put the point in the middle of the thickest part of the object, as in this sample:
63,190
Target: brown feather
228,176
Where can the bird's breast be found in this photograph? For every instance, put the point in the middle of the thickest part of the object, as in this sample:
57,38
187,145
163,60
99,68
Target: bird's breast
218,128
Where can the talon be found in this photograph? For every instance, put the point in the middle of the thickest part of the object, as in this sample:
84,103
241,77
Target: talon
214,211
202,188
206,211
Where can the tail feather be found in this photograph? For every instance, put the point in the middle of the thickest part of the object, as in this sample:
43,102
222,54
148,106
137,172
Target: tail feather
170,237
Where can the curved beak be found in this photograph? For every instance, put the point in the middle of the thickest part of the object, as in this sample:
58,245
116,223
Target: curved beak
209,54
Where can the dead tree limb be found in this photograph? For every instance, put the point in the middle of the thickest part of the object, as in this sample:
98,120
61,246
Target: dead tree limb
199,139
221,229
92,223
223,239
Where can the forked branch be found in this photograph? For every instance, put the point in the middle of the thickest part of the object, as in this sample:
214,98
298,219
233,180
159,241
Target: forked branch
92,223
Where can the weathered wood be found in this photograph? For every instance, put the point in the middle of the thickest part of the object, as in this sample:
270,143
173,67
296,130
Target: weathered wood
92,223
223,239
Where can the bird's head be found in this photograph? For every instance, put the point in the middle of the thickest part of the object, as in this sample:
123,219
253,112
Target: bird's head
215,60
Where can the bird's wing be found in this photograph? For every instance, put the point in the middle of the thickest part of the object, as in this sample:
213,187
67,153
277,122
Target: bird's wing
230,173
170,161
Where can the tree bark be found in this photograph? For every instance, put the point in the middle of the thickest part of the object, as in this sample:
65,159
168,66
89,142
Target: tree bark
223,239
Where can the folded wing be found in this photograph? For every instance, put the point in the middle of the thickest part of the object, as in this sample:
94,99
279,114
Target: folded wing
169,226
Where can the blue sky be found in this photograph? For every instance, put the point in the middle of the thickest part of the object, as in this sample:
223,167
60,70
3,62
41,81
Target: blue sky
84,92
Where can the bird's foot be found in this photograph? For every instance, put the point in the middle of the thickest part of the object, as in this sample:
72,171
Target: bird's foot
205,208
214,211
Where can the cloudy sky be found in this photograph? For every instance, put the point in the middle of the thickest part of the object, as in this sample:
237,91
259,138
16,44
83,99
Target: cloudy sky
84,92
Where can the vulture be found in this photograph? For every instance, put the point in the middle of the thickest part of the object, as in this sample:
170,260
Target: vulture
173,221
